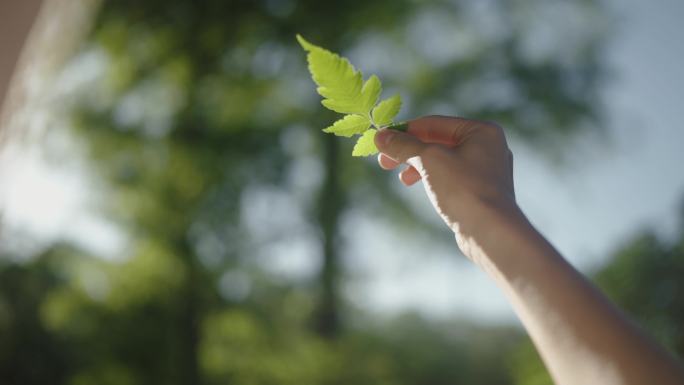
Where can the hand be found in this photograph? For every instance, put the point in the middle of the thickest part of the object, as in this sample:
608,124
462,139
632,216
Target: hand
465,165
467,171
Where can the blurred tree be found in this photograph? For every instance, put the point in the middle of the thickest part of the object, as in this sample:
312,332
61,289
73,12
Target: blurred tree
202,110
29,354
70,318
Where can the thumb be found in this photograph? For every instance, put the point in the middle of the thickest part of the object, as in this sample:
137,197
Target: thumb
398,145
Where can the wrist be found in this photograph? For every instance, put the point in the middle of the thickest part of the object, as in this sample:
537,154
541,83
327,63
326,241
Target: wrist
491,231
482,216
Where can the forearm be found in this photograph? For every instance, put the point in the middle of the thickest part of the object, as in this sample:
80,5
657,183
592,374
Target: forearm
16,19
581,336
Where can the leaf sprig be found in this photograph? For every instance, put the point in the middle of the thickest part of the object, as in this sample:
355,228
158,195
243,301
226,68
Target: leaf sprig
344,91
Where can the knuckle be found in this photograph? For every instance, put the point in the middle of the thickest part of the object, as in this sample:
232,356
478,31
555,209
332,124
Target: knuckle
495,130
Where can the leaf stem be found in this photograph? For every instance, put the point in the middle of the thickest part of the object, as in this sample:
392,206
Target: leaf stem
370,117
399,126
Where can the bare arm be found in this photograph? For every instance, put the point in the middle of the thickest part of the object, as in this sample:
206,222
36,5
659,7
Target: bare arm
16,19
467,171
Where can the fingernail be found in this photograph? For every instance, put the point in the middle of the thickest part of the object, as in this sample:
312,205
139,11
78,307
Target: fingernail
384,136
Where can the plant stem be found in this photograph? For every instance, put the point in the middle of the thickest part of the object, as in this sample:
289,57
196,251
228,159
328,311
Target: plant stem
399,126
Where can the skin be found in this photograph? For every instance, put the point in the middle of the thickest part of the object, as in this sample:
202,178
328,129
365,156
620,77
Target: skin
467,171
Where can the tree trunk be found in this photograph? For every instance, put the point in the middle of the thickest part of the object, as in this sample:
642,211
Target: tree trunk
331,201
189,320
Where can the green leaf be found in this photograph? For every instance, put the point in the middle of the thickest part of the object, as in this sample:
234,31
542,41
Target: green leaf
344,91
349,125
343,107
370,93
366,144
338,81
385,112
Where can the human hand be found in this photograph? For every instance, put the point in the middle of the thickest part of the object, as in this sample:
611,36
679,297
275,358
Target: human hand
465,165
467,171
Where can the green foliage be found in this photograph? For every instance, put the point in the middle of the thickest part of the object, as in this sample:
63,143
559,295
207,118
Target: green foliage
365,145
58,327
340,84
349,125
386,110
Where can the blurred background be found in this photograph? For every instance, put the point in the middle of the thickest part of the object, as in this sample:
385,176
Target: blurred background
173,214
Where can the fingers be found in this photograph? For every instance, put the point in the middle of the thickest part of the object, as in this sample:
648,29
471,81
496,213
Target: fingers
442,129
397,145
409,176
386,162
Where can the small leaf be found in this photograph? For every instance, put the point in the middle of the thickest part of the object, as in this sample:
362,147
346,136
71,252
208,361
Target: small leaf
370,93
366,144
305,44
343,107
385,112
349,125
338,81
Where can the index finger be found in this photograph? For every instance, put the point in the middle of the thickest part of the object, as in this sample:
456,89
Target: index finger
445,130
